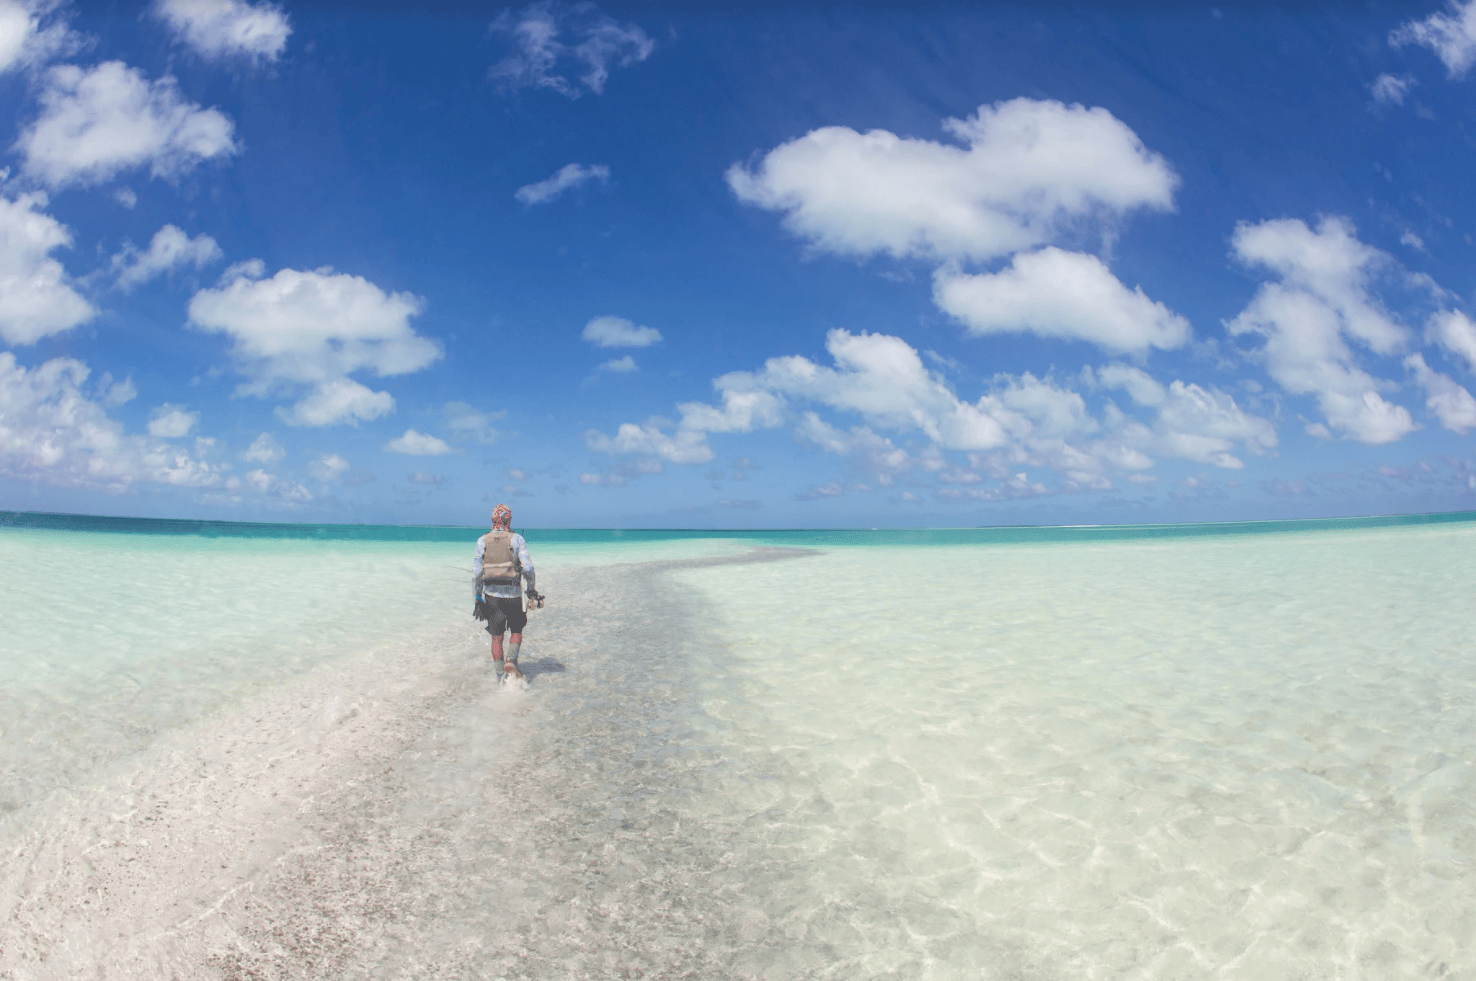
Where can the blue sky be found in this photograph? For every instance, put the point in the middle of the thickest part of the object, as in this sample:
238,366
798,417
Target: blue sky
644,265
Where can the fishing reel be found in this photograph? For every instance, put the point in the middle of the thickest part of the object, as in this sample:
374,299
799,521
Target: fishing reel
535,601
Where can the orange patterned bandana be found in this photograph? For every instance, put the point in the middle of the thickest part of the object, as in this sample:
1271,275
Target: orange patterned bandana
502,516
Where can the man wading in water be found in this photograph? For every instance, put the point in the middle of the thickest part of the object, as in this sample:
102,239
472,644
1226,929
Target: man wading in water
502,558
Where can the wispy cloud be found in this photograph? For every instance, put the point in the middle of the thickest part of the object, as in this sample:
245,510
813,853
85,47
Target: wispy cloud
169,249
618,332
566,178
1451,35
1390,89
415,443
569,48
466,422
621,366
227,28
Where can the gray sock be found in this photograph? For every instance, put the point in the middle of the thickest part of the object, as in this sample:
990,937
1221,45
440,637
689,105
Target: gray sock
511,653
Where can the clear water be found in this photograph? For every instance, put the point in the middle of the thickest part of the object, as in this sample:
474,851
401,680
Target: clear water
112,638
1244,752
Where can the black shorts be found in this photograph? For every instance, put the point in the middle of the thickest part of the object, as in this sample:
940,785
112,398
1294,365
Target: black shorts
502,613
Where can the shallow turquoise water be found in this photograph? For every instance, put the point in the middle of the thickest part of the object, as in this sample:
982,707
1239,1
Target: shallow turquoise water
1221,755
1234,751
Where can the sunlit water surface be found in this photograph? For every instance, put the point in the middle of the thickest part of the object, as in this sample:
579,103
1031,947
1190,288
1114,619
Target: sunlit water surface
1225,755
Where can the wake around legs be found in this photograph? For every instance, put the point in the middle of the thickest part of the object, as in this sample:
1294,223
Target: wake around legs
509,664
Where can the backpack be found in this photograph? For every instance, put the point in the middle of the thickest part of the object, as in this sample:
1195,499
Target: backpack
499,562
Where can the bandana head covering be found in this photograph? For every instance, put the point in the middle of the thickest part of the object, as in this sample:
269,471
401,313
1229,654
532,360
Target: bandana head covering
502,516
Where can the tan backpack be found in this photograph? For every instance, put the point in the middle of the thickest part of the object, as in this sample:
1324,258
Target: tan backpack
499,561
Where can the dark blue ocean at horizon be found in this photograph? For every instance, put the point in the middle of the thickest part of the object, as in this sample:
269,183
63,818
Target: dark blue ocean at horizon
799,537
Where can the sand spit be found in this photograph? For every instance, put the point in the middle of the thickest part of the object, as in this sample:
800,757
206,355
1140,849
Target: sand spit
126,876
400,815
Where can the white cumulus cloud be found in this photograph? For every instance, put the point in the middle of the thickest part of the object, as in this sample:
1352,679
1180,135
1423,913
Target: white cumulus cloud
882,378
1445,398
1018,172
1141,387
264,449
618,332
17,26
314,326
226,28
24,41
172,421
875,454
416,443
1455,332
266,483
1021,423
169,249
314,329
1059,294
328,467
1205,425
116,393
339,400
1330,264
683,446
878,376
1307,318
566,178
568,48
36,295
96,122
1050,427
52,433
1451,35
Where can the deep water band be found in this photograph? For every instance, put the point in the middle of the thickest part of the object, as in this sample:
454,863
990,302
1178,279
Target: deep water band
810,538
